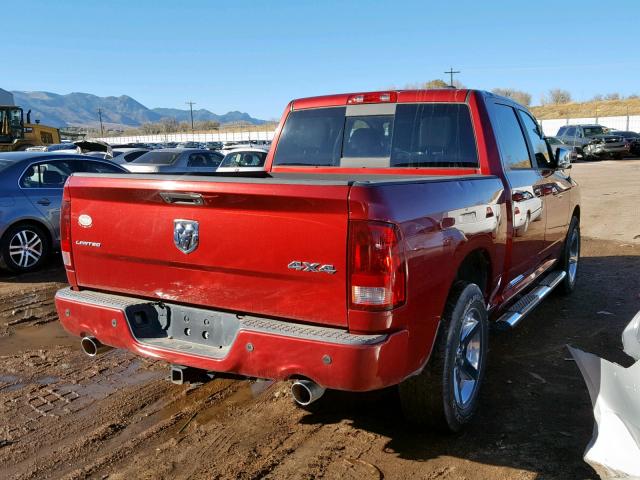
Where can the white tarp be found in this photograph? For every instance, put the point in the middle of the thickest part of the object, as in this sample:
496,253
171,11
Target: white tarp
614,450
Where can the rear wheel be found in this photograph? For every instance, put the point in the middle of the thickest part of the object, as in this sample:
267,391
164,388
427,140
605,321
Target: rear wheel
445,394
24,248
570,257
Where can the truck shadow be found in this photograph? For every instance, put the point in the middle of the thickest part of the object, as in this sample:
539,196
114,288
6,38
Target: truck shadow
535,413
52,271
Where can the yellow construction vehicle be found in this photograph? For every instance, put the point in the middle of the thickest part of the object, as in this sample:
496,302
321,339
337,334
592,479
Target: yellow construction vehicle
16,134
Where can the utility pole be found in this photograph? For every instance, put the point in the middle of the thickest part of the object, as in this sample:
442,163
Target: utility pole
191,104
450,73
627,117
101,127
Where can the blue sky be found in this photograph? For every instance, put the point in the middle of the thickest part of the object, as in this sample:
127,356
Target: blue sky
255,56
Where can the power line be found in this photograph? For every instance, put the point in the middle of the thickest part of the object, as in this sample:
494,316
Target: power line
191,104
450,73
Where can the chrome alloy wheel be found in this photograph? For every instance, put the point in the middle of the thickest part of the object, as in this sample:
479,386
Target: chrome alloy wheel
574,255
25,248
466,368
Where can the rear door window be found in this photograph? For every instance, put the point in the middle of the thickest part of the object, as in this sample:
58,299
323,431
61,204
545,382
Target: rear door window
47,174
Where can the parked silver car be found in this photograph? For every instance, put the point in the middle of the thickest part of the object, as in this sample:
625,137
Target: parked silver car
30,197
176,160
126,155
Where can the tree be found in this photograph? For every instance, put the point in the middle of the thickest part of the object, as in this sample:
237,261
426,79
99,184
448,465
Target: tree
169,125
612,96
557,96
207,125
435,83
519,96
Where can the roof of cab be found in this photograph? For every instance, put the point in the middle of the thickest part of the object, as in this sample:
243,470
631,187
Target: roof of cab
403,96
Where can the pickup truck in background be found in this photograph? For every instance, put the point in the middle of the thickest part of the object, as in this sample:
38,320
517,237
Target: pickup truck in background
594,141
389,231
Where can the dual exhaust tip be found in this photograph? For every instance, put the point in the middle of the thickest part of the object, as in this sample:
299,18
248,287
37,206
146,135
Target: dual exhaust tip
304,392
92,346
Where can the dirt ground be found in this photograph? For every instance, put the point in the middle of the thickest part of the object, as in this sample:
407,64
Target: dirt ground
64,415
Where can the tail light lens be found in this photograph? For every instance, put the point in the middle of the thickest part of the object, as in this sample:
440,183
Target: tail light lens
376,266
375,97
65,232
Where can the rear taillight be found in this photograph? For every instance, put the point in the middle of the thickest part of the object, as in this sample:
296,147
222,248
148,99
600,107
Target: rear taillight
376,266
65,232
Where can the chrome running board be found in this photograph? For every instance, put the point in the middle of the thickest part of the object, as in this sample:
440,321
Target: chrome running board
527,303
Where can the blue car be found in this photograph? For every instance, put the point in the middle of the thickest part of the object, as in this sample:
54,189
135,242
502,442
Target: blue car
30,195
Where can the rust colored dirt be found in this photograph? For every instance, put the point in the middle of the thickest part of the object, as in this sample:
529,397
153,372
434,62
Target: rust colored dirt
64,415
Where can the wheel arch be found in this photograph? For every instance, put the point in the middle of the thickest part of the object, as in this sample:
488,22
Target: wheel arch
31,221
576,212
475,267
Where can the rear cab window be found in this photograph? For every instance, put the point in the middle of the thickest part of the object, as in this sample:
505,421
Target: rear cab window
410,135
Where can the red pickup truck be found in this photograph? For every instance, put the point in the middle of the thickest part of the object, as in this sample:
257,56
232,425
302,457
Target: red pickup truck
389,230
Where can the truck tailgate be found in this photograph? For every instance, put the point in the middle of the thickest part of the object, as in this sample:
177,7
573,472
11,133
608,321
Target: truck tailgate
123,232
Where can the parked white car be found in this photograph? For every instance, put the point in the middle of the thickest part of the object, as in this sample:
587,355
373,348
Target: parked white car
243,160
527,208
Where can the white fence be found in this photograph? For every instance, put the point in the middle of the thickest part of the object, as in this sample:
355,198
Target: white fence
624,122
192,137
550,127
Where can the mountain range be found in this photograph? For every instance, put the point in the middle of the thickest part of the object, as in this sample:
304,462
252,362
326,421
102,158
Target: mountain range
81,109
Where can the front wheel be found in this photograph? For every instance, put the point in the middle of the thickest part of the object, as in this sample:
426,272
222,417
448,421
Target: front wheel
445,394
570,257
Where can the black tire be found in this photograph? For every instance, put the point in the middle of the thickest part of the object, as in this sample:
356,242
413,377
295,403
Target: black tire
617,156
570,260
35,242
432,398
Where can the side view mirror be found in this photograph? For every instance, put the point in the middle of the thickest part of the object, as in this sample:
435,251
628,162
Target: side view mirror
564,157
